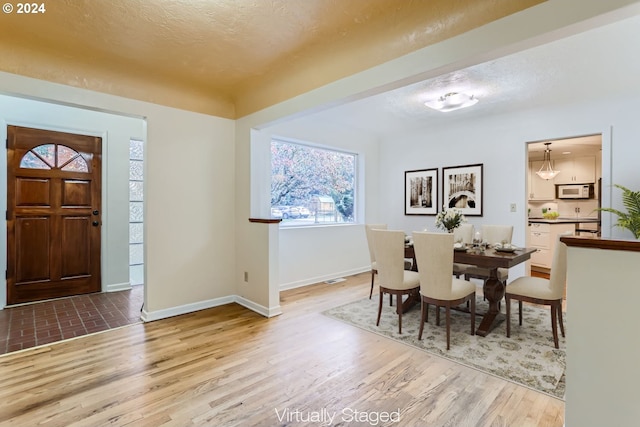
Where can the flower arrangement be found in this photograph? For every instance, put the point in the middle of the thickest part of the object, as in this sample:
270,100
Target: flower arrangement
449,219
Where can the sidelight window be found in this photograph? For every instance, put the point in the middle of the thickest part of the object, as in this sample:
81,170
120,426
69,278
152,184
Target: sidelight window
136,214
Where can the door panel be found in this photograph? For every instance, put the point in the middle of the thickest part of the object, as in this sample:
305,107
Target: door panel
32,192
76,193
33,253
53,215
75,248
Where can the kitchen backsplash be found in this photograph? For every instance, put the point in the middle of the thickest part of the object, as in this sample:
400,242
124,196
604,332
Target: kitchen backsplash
566,208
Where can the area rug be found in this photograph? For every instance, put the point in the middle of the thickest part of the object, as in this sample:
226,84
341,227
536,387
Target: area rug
528,357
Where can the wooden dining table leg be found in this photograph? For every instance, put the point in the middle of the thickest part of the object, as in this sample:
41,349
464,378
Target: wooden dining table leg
494,292
412,299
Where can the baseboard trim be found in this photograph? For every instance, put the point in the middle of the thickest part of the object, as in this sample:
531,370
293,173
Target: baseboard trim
260,309
150,316
318,279
116,287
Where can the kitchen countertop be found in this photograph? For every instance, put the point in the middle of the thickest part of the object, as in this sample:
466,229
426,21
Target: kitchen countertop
563,220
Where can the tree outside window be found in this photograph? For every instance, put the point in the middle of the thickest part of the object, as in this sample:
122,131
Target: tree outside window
311,185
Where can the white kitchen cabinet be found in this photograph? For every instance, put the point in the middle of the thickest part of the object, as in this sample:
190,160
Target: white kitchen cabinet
543,237
540,189
575,170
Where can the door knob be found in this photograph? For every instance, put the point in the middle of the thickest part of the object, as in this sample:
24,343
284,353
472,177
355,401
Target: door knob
96,212
95,223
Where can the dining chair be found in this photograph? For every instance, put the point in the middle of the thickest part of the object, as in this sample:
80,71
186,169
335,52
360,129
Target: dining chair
434,255
392,277
537,290
372,255
491,234
464,235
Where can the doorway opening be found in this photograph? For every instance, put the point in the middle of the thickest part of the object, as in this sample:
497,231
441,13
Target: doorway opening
561,204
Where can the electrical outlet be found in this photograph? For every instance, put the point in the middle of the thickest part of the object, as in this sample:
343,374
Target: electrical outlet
513,207
246,276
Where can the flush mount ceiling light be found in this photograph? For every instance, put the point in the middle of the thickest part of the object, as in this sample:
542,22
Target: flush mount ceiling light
546,171
452,101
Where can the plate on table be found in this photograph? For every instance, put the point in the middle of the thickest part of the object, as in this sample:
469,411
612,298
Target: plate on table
460,248
501,249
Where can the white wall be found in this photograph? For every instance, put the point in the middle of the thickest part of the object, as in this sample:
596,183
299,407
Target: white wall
189,190
190,218
116,131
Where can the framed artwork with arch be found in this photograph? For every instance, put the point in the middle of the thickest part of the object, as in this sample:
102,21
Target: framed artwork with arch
462,188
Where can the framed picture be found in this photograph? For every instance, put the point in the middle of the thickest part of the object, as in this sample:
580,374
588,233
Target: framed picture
421,192
462,188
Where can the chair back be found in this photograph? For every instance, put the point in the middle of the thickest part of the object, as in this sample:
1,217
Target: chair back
463,234
434,255
389,255
558,276
493,234
367,229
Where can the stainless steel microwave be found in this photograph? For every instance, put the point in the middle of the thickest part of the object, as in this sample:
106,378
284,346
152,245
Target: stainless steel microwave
575,191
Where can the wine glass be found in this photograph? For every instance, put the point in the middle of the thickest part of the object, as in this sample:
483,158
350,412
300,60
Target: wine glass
477,239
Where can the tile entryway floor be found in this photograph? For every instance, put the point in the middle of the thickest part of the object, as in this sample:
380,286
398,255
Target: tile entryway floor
45,322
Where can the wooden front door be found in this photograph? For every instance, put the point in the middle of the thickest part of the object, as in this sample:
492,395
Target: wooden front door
53,214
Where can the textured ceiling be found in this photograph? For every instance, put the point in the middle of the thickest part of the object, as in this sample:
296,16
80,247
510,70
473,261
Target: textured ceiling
223,51
600,63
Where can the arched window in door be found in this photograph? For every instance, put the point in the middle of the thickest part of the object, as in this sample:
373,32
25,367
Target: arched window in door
54,156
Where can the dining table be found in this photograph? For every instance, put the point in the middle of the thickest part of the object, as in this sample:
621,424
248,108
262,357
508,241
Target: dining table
490,258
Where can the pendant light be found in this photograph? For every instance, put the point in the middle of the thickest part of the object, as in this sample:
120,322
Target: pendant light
546,171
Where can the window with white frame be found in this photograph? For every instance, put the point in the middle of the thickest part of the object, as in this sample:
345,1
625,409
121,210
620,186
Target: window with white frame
311,185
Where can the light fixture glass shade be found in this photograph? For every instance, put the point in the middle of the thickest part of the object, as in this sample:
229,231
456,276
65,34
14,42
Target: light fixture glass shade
546,170
452,101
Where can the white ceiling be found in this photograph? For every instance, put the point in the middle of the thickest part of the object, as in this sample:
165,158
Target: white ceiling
602,62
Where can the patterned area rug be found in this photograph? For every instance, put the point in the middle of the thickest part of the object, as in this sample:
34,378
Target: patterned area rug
527,358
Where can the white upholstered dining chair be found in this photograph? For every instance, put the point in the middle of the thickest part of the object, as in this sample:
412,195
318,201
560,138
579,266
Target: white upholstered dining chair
372,255
492,234
537,290
392,277
434,256
462,234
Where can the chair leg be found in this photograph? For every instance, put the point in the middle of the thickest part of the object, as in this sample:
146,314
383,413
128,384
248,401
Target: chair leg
554,324
380,307
448,320
507,302
373,275
437,315
423,317
520,312
473,314
399,310
560,318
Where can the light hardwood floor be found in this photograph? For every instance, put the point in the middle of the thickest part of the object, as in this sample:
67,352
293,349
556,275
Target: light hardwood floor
228,366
